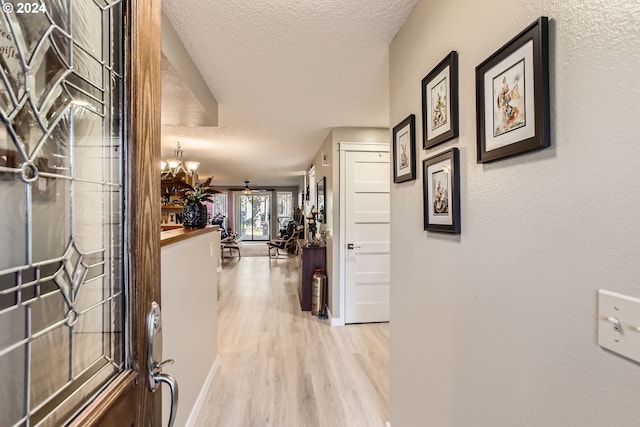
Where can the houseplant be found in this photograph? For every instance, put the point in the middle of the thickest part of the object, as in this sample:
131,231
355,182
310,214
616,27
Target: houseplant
194,213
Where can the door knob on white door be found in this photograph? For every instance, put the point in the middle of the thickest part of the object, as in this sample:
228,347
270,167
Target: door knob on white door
350,246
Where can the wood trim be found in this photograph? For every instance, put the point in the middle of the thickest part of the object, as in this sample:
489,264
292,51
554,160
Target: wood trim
118,390
144,185
172,236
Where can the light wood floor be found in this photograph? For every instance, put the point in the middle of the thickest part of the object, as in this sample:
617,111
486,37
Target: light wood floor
283,367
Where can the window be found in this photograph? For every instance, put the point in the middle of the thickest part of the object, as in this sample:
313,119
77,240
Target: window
285,208
220,208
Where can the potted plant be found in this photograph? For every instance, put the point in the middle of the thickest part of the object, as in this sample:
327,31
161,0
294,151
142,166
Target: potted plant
194,213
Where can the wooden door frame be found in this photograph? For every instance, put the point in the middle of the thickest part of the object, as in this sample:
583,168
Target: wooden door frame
341,243
129,393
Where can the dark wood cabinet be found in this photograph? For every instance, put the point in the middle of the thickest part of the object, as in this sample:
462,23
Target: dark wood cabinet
312,258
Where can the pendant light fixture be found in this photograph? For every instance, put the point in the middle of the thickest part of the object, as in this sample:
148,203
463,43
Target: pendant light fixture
246,190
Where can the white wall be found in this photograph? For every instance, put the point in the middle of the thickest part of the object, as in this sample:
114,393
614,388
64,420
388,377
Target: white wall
189,320
497,326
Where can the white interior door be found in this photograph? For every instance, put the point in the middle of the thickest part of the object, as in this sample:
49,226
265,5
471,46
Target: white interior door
367,235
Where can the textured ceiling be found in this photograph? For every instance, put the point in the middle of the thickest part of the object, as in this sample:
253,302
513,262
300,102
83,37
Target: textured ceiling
284,72
180,107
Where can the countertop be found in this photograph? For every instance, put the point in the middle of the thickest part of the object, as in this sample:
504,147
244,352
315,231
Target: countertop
172,236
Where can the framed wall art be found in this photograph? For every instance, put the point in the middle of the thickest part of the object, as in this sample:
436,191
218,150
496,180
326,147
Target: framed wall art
440,102
512,96
441,192
404,150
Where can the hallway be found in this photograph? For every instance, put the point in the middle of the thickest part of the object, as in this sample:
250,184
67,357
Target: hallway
283,367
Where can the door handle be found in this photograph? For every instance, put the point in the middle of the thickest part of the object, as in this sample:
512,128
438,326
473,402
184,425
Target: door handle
154,352
173,388
351,247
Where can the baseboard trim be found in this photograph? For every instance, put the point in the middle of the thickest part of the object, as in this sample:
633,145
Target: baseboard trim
197,407
335,321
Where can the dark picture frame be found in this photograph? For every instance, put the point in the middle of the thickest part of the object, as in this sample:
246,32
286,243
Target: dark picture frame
404,150
512,96
440,102
441,192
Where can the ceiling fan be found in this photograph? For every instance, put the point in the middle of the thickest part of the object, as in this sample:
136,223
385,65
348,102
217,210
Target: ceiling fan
247,190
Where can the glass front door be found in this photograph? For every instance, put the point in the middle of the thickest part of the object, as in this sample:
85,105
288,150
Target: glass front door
62,289
255,215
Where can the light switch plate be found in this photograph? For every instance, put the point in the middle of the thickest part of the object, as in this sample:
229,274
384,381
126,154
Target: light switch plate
619,323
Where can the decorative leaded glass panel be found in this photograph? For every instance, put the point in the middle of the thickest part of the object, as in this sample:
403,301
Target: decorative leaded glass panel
61,267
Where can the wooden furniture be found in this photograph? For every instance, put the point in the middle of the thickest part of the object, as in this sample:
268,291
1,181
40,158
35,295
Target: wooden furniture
312,257
286,243
171,215
232,244
171,192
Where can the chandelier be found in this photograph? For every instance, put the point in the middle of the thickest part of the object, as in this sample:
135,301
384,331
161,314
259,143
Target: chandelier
172,167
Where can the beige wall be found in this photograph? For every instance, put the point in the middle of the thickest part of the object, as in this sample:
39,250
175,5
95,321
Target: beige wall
497,326
331,188
330,147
